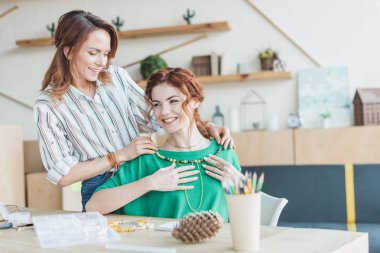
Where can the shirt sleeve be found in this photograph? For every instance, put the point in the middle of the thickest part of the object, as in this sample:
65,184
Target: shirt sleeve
56,150
137,102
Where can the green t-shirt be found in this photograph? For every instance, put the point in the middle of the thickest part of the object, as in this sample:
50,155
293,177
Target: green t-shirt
174,204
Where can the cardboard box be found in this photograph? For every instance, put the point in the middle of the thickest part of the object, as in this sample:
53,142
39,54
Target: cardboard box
41,193
32,157
12,185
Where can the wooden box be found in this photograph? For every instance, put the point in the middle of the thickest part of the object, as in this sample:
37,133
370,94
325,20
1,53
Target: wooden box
201,65
32,157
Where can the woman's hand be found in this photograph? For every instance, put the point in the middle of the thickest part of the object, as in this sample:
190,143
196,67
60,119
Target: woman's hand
138,146
222,135
169,178
221,170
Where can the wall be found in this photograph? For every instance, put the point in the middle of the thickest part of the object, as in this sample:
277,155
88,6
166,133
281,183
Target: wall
334,32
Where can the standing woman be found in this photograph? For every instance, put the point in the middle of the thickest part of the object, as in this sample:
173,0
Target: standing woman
89,113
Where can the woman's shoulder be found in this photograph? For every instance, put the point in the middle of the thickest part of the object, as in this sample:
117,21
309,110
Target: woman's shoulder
214,143
44,97
226,151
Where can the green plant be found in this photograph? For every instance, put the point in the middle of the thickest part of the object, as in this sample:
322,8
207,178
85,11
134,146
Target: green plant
188,16
118,23
152,64
325,115
267,58
51,29
268,53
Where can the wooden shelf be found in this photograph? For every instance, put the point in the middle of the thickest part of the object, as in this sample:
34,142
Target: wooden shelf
175,30
35,42
144,33
264,75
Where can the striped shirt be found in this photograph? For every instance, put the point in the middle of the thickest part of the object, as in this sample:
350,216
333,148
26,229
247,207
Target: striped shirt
80,128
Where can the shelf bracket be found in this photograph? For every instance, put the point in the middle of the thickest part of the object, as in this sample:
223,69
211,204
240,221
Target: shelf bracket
8,11
169,49
16,100
263,15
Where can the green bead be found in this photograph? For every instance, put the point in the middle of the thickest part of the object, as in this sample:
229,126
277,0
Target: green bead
197,161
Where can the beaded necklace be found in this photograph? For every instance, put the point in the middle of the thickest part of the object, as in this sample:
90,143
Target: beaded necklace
129,226
183,162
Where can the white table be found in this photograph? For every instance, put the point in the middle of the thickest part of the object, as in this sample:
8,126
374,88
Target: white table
273,239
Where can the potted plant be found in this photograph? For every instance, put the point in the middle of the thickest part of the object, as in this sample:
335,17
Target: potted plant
151,65
325,116
267,58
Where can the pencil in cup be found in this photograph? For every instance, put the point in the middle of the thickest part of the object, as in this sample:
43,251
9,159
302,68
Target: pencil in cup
247,185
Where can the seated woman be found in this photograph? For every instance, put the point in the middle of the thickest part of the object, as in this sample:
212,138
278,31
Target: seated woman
185,174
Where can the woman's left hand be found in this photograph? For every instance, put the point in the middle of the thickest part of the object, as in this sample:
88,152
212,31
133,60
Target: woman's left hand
221,169
222,135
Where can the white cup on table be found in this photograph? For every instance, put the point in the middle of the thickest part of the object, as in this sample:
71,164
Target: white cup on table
244,213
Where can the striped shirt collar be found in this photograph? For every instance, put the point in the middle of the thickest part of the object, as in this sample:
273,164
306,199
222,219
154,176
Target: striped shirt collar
77,93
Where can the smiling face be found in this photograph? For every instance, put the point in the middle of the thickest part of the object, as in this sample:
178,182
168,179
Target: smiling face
167,108
92,56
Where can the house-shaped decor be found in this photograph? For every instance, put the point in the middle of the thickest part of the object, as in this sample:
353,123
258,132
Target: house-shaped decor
252,111
367,107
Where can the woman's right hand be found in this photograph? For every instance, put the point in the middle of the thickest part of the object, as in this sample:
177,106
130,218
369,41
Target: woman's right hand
138,146
169,178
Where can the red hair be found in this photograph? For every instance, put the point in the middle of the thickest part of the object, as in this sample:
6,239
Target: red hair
183,80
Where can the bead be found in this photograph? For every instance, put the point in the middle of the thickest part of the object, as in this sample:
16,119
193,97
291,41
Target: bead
172,160
197,161
130,227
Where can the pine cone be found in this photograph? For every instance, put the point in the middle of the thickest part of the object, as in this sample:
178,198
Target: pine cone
198,227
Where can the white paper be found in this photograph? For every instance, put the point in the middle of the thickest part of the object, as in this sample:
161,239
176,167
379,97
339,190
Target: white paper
169,226
139,248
